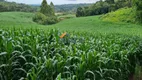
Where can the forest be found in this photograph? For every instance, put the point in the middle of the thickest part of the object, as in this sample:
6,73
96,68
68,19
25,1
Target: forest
12,6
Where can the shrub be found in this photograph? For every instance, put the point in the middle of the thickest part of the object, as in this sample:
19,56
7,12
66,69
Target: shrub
40,18
51,20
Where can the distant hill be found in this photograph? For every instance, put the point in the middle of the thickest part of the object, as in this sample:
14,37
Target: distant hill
68,8
36,5
13,6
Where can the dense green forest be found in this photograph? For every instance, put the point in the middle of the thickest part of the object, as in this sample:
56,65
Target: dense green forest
103,7
12,6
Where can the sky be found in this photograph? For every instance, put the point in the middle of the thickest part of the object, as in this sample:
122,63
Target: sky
56,2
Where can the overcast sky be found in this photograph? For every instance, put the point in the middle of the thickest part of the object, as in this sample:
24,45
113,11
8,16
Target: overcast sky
54,1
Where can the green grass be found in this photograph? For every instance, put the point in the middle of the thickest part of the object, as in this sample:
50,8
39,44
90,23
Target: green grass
67,16
92,24
17,20
16,17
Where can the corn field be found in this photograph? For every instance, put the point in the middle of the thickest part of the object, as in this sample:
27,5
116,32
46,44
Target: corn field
44,55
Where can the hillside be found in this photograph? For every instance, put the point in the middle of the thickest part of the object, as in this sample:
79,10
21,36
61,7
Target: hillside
16,19
121,15
83,24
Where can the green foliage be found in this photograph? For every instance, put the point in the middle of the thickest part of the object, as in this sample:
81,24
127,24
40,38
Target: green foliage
110,1
99,7
133,14
12,6
36,54
2,0
80,12
40,18
46,9
52,20
103,7
121,15
52,8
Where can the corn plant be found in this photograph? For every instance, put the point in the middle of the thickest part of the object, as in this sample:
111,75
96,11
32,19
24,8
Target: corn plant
48,55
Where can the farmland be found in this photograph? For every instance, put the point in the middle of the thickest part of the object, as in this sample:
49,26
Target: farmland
91,49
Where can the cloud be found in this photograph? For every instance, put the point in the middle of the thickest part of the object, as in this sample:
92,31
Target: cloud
55,1
72,0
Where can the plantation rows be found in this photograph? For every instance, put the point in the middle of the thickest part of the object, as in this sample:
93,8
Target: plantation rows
40,55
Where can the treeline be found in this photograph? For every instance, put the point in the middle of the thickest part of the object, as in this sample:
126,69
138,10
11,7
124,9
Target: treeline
102,7
12,6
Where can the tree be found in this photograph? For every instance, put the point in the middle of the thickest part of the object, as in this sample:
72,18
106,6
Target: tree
80,12
52,8
138,7
52,5
12,6
2,0
45,8
129,3
46,15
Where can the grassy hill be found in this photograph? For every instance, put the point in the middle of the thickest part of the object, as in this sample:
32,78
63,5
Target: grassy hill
121,15
16,17
83,24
